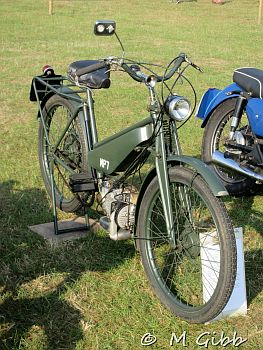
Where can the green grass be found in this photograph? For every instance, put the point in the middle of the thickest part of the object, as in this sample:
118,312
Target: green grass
93,294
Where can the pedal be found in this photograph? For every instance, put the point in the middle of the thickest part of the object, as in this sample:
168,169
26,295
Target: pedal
81,182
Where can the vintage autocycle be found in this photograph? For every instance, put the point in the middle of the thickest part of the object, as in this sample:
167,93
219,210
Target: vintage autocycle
233,136
175,216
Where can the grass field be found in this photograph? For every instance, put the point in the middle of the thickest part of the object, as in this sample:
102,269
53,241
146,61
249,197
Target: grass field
92,293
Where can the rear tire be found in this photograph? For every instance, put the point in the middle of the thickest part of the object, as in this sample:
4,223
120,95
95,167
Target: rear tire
204,247
57,112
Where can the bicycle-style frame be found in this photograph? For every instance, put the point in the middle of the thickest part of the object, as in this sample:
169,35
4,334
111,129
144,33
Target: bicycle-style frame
107,156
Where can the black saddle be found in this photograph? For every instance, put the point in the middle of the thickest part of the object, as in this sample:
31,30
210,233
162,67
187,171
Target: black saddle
250,79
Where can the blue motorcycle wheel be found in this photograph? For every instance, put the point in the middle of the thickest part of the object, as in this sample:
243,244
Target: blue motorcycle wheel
216,133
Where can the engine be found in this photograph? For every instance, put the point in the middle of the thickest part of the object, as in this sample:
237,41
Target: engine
119,206
240,146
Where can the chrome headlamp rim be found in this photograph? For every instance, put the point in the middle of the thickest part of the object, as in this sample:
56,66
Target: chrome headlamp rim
178,107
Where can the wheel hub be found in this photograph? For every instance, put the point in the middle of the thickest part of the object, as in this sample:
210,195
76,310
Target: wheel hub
189,241
72,150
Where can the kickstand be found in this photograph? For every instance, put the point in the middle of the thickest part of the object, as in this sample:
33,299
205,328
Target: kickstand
58,231
81,227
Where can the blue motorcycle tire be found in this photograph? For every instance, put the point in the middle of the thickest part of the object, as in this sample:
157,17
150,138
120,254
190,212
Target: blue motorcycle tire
213,138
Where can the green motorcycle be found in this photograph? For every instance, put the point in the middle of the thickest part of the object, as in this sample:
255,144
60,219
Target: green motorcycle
175,216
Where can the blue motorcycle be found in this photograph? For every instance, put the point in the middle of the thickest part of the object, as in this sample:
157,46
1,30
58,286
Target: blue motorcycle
233,137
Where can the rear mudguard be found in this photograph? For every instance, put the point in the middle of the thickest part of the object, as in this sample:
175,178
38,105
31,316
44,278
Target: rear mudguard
198,166
63,91
75,99
211,99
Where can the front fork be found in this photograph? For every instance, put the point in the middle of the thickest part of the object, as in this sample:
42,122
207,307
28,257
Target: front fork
164,185
163,180
240,105
162,170
161,164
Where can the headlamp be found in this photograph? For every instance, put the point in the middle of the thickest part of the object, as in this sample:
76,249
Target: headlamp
178,107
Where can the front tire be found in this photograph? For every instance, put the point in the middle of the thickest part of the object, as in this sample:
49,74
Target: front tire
215,134
195,277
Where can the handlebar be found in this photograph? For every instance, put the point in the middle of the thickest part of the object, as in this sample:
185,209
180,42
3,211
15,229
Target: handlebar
140,77
134,71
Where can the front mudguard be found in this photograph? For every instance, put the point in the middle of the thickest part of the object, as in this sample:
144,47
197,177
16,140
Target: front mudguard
211,99
213,181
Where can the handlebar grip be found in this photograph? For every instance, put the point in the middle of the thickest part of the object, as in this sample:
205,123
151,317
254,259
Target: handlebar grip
91,68
177,64
140,78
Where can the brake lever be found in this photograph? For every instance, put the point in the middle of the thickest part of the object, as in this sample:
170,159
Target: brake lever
194,65
197,67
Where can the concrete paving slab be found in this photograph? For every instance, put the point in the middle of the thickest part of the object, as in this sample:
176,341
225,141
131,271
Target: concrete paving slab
47,230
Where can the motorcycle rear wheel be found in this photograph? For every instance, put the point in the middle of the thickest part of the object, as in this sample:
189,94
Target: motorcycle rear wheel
72,151
216,132
194,277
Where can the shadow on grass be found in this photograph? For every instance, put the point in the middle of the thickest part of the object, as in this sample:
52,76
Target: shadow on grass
25,257
254,273
242,211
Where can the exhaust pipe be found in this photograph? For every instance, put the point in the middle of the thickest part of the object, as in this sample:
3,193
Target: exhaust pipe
219,158
111,227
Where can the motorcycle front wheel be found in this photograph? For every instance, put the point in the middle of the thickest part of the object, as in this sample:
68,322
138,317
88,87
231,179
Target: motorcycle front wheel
71,151
193,270
215,135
